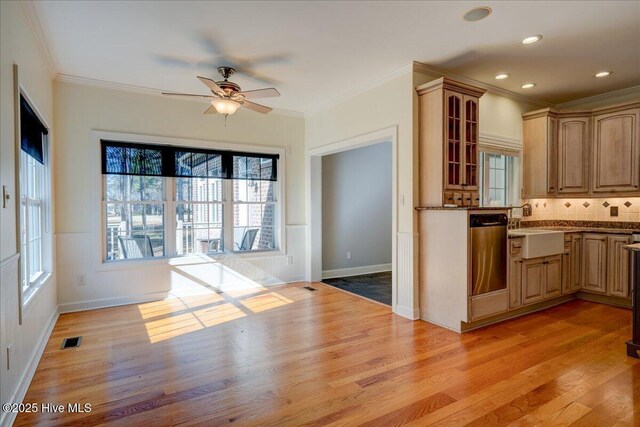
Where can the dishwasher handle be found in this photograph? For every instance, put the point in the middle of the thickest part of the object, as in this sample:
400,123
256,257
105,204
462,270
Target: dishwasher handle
488,220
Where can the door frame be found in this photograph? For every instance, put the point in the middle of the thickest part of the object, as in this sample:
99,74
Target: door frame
313,160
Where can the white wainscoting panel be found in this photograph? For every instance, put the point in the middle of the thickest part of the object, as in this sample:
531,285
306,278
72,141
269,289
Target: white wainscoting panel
406,304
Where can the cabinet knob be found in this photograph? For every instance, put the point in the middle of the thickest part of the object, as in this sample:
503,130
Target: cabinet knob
521,261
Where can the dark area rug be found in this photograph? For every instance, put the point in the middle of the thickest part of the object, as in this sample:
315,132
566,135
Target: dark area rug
375,286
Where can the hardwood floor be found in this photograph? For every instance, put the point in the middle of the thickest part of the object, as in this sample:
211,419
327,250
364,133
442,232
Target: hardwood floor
289,356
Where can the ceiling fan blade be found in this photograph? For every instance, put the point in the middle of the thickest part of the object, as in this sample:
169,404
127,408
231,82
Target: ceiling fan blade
260,93
189,95
211,110
256,107
212,85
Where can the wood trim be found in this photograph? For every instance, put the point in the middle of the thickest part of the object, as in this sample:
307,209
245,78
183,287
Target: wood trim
453,85
603,299
528,309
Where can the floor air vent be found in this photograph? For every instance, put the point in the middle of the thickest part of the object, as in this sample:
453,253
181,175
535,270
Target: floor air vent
309,288
71,343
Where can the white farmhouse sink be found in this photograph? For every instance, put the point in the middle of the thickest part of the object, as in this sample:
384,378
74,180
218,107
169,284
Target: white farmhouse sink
539,243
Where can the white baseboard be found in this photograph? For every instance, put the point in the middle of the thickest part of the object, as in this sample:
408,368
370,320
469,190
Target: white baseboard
356,271
111,302
8,418
407,312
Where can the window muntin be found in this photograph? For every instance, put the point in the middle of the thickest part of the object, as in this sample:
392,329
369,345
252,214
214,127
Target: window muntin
499,179
32,183
135,216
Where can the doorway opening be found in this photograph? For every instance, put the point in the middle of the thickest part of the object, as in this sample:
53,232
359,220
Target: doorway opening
400,292
357,221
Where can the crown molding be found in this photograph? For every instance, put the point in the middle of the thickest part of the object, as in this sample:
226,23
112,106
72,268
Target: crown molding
357,90
422,68
103,84
33,20
603,97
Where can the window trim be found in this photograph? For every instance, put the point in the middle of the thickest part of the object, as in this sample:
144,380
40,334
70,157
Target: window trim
102,264
27,296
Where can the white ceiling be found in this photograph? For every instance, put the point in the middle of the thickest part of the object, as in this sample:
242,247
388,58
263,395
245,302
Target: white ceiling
315,51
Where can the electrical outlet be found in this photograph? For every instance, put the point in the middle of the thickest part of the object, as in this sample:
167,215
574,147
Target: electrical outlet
348,254
81,280
290,260
613,211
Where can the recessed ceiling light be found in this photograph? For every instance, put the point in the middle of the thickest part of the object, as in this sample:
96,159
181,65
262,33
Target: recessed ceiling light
532,39
502,76
603,73
528,85
477,14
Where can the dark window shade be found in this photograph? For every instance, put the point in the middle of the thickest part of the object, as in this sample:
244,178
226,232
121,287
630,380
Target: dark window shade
32,132
198,164
131,160
255,168
121,158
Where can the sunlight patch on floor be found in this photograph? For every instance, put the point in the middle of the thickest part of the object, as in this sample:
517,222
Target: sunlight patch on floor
265,302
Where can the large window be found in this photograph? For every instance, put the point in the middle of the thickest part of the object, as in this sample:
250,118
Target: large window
162,200
498,179
34,198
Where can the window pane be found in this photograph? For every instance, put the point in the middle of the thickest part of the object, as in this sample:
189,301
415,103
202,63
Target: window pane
253,191
134,230
131,187
199,189
199,228
254,226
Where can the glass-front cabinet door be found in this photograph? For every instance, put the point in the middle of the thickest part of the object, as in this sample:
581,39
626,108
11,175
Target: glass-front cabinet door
453,155
470,178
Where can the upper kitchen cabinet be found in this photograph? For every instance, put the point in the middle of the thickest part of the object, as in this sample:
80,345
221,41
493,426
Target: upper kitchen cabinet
539,154
573,155
616,151
449,155
582,153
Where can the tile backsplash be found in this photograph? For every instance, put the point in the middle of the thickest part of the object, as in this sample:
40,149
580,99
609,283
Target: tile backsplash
585,209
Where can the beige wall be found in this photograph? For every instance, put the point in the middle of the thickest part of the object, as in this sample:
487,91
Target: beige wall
18,46
383,106
81,109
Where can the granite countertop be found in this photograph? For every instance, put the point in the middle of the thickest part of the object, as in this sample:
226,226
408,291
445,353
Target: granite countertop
569,229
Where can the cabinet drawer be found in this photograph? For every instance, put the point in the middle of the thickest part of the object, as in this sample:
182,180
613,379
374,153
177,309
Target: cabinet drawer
515,246
489,304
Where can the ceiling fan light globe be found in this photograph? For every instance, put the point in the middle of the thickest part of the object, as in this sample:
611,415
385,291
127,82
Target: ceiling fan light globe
225,106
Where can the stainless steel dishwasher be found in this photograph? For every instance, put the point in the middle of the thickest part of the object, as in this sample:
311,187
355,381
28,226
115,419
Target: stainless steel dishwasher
488,252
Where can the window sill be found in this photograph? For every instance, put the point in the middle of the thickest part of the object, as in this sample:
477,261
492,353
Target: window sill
30,296
125,264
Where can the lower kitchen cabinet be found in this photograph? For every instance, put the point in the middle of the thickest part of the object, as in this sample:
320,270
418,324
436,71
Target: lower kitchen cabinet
618,266
553,278
575,263
541,279
594,261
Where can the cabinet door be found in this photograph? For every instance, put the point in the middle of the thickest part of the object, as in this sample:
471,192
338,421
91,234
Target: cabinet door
533,276
594,263
515,273
573,155
566,270
536,157
471,154
618,266
616,151
453,141
575,263
553,276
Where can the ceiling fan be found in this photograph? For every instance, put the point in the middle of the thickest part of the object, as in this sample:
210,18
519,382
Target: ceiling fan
226,97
